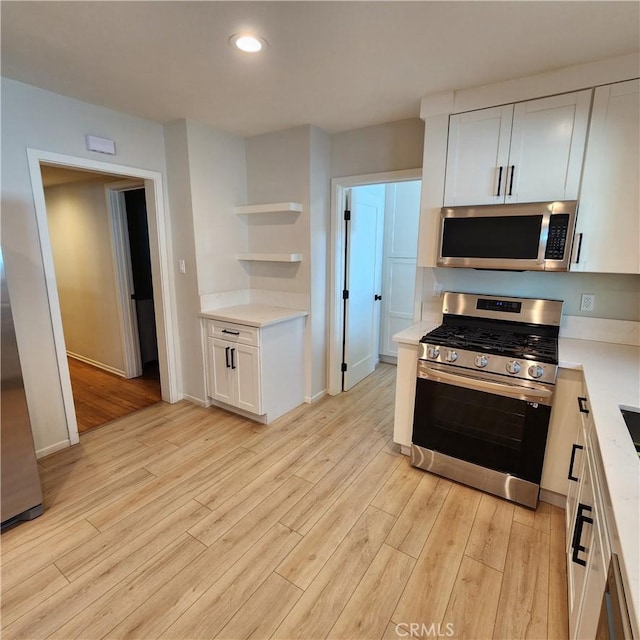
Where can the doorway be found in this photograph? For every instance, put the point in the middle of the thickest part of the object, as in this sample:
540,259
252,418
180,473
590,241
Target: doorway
375,279
84,246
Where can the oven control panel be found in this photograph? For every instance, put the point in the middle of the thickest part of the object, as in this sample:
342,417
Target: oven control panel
490,363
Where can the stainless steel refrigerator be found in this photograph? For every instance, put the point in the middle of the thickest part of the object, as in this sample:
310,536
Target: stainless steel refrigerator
21,493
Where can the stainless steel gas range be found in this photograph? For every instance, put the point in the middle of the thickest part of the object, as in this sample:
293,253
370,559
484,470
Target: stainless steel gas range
485,385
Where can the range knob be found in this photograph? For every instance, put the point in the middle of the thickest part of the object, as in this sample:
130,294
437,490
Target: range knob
481,361
433,352
451,356
536,371
513,366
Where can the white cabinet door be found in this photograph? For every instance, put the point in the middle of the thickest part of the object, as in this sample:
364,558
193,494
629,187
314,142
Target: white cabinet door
219,378
547,148
478,149
580,534
245,368
608,224
528,152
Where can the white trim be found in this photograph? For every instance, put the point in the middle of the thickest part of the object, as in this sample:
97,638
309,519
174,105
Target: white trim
163,291
551,497
123,277
52,448
197,401
98,365
315,397
338,187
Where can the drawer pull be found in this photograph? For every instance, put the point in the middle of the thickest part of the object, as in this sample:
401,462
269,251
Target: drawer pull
577,534
582,405
233,333
576,447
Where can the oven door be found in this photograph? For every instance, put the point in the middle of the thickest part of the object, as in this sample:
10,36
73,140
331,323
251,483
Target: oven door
495,425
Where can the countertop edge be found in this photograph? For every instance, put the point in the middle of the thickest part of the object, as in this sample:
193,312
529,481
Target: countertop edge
254,315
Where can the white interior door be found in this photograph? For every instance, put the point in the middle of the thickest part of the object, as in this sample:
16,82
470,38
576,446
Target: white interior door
401,220
363,281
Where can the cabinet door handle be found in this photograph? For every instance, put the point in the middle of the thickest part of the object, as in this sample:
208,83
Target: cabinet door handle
226,356
578,247
582,405
499,180
577,534
233,333
233,364
576,447
513,170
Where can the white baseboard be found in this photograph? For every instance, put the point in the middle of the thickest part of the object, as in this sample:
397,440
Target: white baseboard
98,365
316,397
389,359
58,446
551,497
197,401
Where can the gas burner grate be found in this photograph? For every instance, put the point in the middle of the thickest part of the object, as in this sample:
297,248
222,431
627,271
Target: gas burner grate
497,341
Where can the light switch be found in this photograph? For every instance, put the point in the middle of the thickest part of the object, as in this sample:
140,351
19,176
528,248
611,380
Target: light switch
182,267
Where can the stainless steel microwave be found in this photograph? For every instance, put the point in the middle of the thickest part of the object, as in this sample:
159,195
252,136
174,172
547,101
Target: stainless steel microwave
523,237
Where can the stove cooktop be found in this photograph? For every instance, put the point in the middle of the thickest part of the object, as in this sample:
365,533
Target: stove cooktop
494,340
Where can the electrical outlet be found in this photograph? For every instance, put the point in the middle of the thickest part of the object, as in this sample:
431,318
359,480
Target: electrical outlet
182,268
437,290
587,302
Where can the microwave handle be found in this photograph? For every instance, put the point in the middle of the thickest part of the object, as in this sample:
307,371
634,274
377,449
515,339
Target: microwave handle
577,248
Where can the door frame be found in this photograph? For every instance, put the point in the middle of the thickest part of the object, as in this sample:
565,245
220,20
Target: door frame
121,251
159,242
336,313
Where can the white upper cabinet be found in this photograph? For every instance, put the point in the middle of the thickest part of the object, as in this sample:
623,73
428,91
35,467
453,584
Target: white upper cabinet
528,152
478,148
608,226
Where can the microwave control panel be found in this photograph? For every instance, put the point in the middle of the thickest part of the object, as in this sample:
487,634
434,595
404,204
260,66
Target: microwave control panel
557,238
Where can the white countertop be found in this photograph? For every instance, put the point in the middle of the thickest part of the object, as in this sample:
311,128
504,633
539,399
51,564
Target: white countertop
413,334
612,374
254,315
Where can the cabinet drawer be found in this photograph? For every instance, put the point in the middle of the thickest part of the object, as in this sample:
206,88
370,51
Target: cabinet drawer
233,332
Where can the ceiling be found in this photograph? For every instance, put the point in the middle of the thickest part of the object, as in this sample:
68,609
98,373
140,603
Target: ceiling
337,65
53,175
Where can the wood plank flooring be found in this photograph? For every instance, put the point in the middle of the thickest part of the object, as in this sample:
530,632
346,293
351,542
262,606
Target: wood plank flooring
101,397
183,522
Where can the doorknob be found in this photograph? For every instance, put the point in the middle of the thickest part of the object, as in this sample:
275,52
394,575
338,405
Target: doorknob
377,297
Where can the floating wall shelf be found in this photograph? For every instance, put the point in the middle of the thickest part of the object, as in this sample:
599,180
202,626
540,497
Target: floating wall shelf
277,207
270,257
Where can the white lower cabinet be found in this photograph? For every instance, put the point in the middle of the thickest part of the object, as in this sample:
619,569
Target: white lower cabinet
257,370
588,546
234,374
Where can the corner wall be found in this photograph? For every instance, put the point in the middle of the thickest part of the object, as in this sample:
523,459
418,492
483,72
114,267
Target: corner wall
38,119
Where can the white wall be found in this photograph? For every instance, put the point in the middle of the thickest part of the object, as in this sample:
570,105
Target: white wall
617,296
207,178
82,252
392,146
319,215
217,168
293,166
34,118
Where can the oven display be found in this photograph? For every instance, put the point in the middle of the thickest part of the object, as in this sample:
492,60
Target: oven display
506,306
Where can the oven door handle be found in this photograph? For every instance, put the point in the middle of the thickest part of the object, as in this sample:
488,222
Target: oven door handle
538,394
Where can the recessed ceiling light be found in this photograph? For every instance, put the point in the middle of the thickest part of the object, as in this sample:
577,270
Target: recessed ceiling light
248,42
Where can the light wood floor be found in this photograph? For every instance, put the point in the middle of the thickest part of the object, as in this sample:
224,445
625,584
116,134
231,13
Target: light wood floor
100,397
183,522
